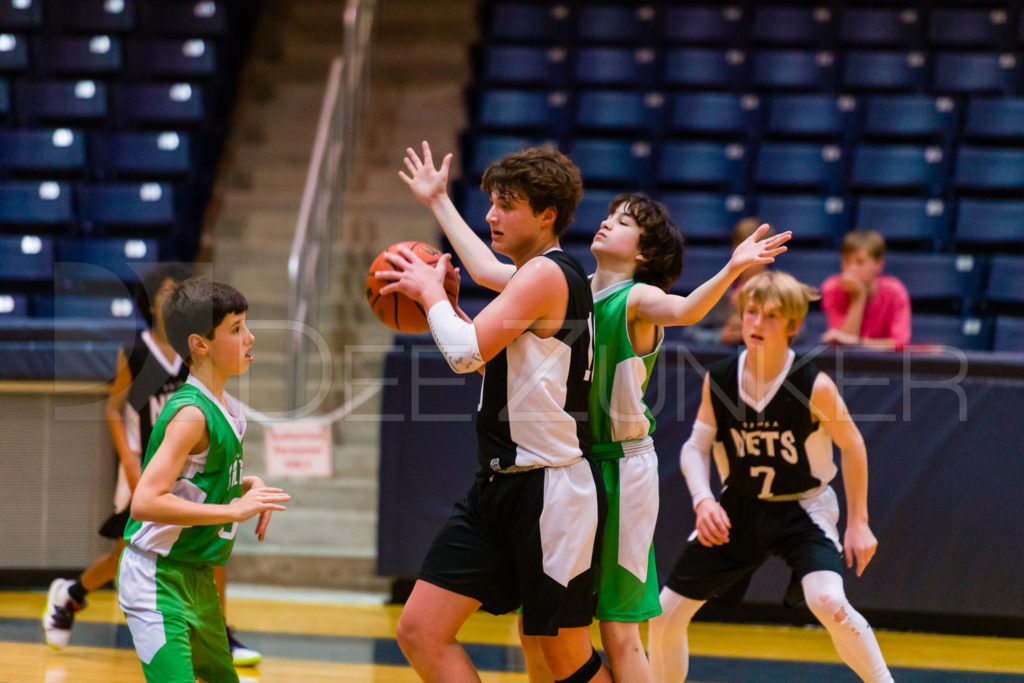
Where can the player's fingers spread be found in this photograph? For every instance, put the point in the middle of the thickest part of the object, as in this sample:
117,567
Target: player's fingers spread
427,157
447,161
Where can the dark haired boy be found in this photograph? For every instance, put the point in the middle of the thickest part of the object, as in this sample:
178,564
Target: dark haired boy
191,495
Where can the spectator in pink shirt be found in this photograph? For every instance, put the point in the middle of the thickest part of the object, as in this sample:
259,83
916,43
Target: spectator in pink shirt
863,306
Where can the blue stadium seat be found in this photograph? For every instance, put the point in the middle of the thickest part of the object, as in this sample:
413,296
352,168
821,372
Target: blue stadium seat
190,59
159,104
704,216
13,306
996,118
800,166
814,325
964,73
514,22
1009,334
582,252
24,202
714,25
130,204
13,52
990,222
968,334
473,204
700,264
41,102
615,66
884,71
794,70
808,265
1005,279
613,161
591,210
616,111
77,56
523,111
879,27
966,28
486,149
94,16
25,15
982,168
81,260
144,154
26,258
811,116
722,166
98,310
911,116
813,219
900,168
705,68
907,221
795,26
5,99
522,65
714,114
199,19
631,24
61,150
937,279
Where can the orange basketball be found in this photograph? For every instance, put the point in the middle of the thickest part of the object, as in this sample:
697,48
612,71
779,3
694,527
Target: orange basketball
396,310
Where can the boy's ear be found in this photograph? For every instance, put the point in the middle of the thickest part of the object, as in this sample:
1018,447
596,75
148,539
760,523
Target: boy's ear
197,344
549,214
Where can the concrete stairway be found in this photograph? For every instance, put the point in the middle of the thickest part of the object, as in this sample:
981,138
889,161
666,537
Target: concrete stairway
420,63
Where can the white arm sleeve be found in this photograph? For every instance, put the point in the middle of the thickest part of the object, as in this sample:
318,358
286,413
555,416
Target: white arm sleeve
695,461
454,337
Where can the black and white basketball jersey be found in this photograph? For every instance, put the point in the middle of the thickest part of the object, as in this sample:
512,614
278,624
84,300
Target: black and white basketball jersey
775,449
154,379
533,403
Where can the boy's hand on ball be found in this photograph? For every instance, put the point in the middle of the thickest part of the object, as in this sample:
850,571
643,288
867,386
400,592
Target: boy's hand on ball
414,278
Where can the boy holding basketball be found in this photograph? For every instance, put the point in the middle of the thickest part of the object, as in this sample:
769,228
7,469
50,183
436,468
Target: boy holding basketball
191,495
528,530
639,255
771,419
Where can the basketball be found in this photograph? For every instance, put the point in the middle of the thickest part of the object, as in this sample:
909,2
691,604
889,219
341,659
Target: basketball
396,310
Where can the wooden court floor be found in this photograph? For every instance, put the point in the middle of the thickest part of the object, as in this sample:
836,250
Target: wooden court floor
319,637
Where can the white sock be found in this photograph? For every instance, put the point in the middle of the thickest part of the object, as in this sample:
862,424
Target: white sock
667,641
851,634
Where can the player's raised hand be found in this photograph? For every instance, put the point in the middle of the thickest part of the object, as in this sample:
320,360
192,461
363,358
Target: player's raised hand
712,523
755,250
859,544
426,182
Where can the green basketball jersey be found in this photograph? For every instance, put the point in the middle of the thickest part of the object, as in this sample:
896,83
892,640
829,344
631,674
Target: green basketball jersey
213,476
617,409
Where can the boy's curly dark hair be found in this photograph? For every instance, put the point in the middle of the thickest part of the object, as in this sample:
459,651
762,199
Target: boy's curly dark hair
661,242
198,306
542,176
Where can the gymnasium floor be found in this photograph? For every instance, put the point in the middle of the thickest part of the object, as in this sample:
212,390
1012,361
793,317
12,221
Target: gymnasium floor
313,637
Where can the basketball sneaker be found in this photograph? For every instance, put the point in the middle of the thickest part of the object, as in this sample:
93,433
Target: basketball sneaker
240,654
59,616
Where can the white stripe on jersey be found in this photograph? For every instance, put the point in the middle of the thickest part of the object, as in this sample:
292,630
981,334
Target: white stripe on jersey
544,433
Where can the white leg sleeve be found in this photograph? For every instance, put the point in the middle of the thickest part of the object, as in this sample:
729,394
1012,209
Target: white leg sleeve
667,637
854,640
695,461
454,337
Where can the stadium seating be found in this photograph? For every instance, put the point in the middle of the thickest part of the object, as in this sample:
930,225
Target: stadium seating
970,28
995,118
813,219
96,56
909,169
96,16
700,264
884,71
34,203
1005,280
976,73
532,112
698,25
703,165
705,217
528,23
982,168
705,69
937,282
811,116
615,66
792,26
26,258
967,334
800,166
619,162
627,23
876,27
906,222
610,112
915,117
780,70
990,222
45,151
712,114
525,65
1009,334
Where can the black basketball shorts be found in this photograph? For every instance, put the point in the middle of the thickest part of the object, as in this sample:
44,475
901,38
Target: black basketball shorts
529,538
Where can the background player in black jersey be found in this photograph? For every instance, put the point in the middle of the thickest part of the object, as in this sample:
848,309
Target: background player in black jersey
528,530
148,374
771,418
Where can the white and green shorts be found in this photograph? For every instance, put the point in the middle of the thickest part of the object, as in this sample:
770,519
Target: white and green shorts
174,616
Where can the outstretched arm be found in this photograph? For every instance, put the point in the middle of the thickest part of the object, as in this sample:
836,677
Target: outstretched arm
828,406
655,307
430,185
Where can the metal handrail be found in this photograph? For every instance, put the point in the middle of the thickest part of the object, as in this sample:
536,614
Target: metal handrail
327,179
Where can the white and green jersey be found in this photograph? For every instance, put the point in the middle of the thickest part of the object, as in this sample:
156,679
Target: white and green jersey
213,476
617,410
